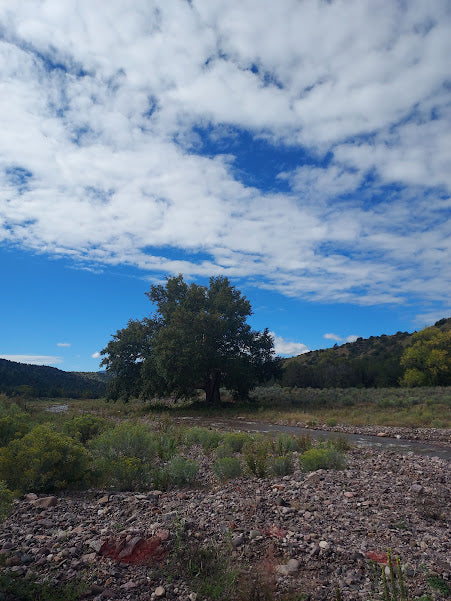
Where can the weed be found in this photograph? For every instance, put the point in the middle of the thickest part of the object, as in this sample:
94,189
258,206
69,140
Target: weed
439,584
256,453
326,458
178,472
236,440
286,444
224,450
282,465
15,588
208,439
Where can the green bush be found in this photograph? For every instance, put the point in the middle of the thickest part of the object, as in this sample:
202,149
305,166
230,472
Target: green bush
282,465
208,439
6,500
128,439
166,445
178,472
304,442
236,440
124,473
85,427
224,450
322,458
256,453
285,444
43,461
340,443
226,468
14,423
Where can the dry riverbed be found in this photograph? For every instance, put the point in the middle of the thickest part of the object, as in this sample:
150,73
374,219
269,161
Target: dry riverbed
306,533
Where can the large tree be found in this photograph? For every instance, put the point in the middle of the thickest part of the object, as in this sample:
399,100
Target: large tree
198,338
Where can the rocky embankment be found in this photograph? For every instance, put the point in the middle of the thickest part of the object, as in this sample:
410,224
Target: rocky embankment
310,532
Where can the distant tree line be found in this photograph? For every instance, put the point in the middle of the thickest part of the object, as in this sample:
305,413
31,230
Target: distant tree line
419,359
43,381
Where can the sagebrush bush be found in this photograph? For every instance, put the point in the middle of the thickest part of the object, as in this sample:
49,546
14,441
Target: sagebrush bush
282,465
339,442
178,472
43,461
226,468
85,427
124,473
224,450
304,442
208,439
236,440
326,458
127,439
286,444
14,423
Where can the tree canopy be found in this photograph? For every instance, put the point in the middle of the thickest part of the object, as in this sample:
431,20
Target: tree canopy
427,361
198,338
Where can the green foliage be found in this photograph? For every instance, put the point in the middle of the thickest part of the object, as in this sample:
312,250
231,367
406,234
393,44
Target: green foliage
127,439
14,423
85,427
236,440
257,452
208,439
439,584
427,361
206,567
124,473
17,588
226,468
339,442
224,450
43,461
326,458
282,465
6,500
197,339
178,472
286,444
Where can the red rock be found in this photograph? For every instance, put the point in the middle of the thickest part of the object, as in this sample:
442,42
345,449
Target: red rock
136,551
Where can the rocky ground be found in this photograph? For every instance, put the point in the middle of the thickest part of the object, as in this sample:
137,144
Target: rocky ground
306,533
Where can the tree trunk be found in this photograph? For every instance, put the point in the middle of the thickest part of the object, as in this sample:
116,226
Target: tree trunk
212,395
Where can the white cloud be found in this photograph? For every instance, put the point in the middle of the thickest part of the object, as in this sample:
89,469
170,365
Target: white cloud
111,138
333,337
33,359
351,338
63,344
286,348
96,355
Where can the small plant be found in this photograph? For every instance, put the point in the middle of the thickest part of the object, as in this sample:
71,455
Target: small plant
16,588
322,458
208,439
43,461
393,587
304,442
339,442
439,584
282,465
259,583
224,450
127,439
256,453
226,468
206,567
285,444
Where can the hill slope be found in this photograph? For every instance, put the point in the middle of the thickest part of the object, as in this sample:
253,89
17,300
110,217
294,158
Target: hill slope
44,381
371,362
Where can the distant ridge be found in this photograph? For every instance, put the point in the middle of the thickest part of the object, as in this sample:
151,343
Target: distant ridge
44,381
368,363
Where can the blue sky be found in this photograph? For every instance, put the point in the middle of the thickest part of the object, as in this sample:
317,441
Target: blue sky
300,148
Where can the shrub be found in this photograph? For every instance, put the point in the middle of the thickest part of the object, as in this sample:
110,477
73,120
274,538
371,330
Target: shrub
236,440
176,473
256,453
282,465
322,458
166,445
286,444
6,499
125,473
208,439
14,423
304,442
127,439
85,427
226,468
43,461
340,443
224,450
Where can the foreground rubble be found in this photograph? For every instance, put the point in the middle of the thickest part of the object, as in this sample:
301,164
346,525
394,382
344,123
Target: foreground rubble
309,532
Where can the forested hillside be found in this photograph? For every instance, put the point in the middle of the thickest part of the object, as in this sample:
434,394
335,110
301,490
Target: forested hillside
421,358
44,381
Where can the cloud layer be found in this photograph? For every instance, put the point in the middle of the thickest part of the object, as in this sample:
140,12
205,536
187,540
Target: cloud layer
122,134
33,359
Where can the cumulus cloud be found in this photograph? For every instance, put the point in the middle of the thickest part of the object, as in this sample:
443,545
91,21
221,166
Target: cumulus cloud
136,128
96,355
331,336
33,359
287,348
63,344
